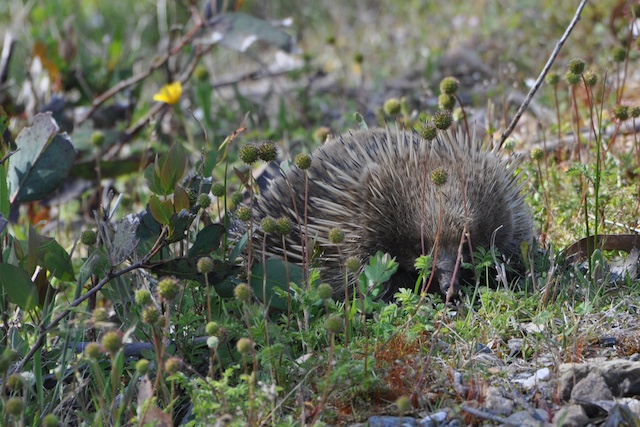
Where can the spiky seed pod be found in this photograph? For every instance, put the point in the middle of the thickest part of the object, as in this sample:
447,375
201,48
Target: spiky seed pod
269,225
552,79
449,85
537,154
590,79
303,161
369,184
267,151
205,265
429,131
218,189
249,153
621,112
442,119
576,66
619,54
446,101
392,107
571,78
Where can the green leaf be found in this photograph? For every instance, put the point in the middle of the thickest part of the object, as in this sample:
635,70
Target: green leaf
97,263
5,206
172,167
161,210
207,240
180,199
42,162
276,276
18,286
153,180
55,259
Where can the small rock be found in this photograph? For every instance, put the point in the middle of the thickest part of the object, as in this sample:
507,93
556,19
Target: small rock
571,416
621,376
540,375
434,420
591,388
496,403
526,419
391,421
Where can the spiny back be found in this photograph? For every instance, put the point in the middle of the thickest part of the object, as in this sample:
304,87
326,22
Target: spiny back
376,186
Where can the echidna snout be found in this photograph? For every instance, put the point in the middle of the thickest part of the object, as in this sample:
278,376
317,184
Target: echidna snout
376,187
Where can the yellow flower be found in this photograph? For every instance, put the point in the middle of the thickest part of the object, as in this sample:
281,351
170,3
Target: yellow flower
169,93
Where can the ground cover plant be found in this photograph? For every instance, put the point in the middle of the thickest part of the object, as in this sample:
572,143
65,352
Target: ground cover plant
135,138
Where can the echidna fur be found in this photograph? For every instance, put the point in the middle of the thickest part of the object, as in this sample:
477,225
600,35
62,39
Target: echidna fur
371,185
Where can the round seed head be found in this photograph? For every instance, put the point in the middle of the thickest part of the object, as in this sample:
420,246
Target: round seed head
392,107
243,213
439,177
142,366
303,161
590,79
89,237
143,297
358,58
334,324
571,78
442,119
97,138
93,350
212,328
242,292
509,144
204,201
404,404
218,189
172,365
14,382
237,198
99,315
634,111
14,406
248,153
168,288
336,236
201,73
552,79
112,342
267,151
284,226
325,291
353,265
150,315
50,420
446,101
619,54
205,265
537,154
269,225
429,131
621,112
576,66
449,85
244,345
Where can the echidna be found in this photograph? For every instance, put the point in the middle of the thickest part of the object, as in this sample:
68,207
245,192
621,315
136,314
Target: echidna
372,185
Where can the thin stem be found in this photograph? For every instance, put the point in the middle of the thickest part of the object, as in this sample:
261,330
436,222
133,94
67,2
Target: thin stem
542,75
